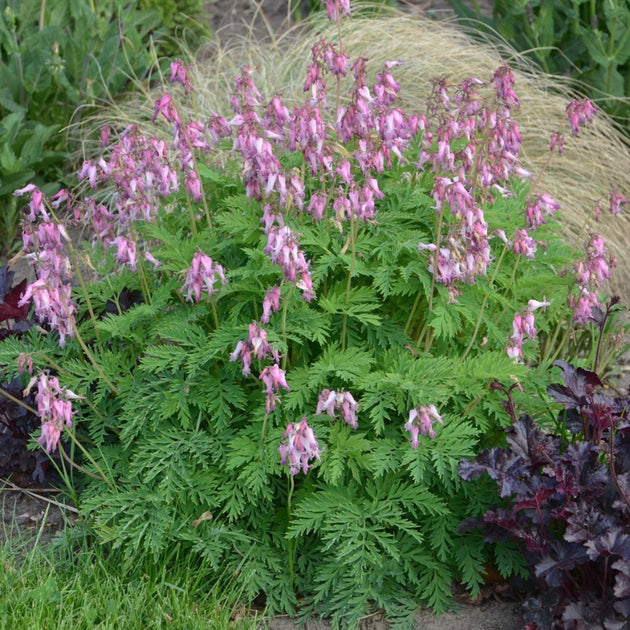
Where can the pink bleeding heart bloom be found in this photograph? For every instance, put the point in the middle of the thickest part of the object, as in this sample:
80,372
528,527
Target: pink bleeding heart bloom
523,327
256,345
179,74
202,276
126,252
337,9
274,378
54,407
421,419
579,113
330,401
271,303
301,447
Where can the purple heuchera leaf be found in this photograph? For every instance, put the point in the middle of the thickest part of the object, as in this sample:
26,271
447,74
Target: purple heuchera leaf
579,386
564,508
10,296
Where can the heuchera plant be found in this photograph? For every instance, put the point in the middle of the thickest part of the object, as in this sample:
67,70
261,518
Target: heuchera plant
289,317
567,503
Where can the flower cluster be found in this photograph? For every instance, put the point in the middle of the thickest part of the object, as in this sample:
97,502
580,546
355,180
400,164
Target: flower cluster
256,345
490,140
590,271
273,378
330,401
421,419
54,407
300,448
523,327
44,242
202,275
579,113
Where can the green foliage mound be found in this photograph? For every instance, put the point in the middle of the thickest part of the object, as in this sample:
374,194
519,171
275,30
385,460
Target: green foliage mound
289,329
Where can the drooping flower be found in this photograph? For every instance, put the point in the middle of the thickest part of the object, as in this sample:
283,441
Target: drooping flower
274,378
36,204
617,200
54,408
271,303
53,304
523,327
579,113
337,8
202,276
421,419
179,74
165,106
256,345
301,447
330,401
126,253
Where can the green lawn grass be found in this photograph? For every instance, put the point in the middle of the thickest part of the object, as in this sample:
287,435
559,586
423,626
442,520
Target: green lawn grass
71,583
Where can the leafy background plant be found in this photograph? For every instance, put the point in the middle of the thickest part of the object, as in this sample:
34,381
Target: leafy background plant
58,59
566,504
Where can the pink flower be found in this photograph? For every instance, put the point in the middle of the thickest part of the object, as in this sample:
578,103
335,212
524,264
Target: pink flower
256,345
270,303
202,276
579,113
337,8
126,253
179,74
166,107
503,82
193,185
36,205
300,448
89,171
53,304
583,306
617,200
592,270
421,419
330,401
524,244
25,362
523,327
283,249
54,407
274,378
556,141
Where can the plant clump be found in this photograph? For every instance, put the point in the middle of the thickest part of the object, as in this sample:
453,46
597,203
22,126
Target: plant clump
278,358
566,504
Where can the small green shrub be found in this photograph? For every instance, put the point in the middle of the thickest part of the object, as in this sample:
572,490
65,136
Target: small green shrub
54,58
291,331
183,21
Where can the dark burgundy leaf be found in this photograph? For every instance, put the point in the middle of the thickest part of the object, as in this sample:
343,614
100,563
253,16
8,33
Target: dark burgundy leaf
9,308
622,578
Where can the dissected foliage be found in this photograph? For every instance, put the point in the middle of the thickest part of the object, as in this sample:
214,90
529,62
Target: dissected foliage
283,350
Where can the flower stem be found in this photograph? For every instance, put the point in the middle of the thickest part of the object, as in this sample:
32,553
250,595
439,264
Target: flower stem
354,228
285,308
412,313
291,542
483,305
91,460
